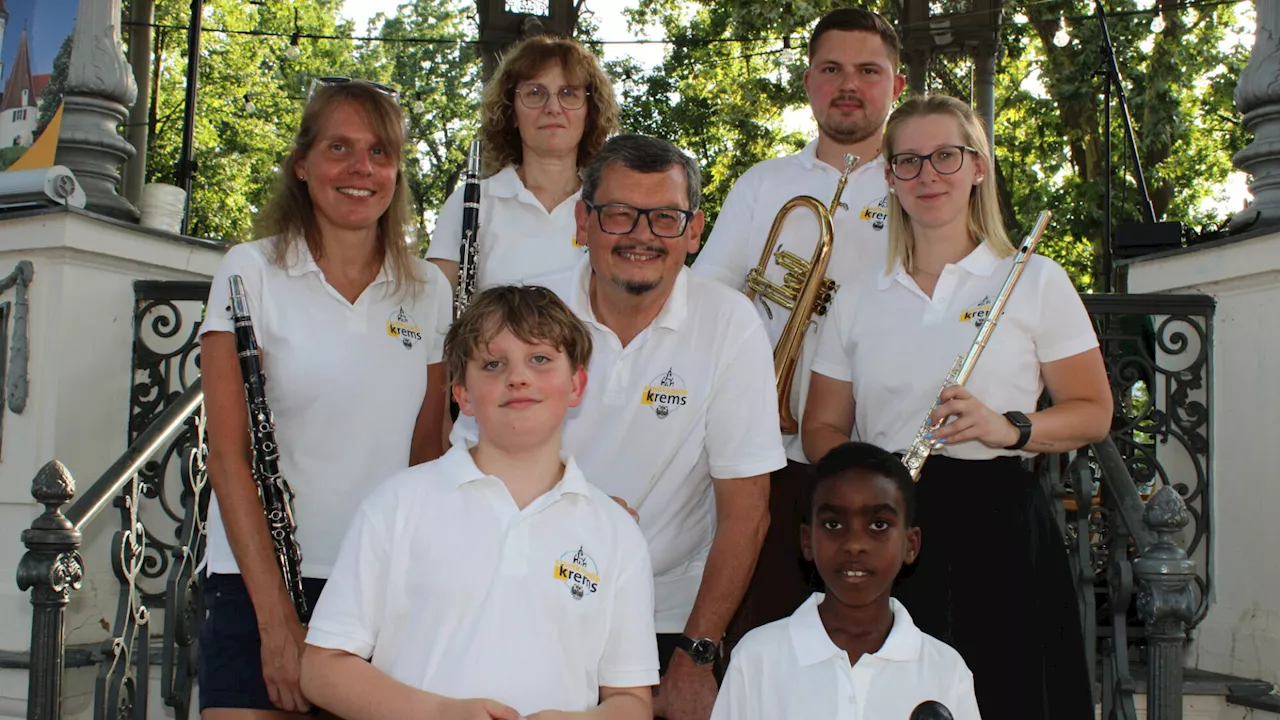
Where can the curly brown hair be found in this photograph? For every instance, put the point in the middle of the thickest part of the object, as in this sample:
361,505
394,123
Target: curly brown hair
289,214
498,132
531,313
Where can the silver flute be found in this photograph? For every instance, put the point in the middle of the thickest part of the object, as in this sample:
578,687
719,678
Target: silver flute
962,368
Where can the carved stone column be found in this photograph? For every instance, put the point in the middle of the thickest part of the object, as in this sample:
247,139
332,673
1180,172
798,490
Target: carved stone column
100,90
1258,97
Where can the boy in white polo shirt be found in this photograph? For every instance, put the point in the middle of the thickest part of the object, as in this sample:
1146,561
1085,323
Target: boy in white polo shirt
852,653
494,582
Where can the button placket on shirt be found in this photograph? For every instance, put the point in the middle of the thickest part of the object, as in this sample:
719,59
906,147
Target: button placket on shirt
620,373
846,694
515,544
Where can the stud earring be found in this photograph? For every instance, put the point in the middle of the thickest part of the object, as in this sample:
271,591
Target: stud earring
892,191
979,179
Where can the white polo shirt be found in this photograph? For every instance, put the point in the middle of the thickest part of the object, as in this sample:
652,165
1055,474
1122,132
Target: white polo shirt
792,669
447,586
897,345
695,389
345,382
519,239
743,225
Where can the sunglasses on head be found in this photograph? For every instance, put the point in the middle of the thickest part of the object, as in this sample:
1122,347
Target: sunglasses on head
335,80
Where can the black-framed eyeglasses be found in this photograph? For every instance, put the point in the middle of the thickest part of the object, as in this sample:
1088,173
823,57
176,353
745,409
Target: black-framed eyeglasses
946,160
621,219
337,80
536,97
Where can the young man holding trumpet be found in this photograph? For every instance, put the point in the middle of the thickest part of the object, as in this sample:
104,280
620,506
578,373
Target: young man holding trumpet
852,82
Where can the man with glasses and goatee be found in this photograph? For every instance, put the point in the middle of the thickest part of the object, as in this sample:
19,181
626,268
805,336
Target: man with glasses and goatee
852,82
679,419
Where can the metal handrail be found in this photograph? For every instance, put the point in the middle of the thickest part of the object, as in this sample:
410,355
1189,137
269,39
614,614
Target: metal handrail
158,434
1119,488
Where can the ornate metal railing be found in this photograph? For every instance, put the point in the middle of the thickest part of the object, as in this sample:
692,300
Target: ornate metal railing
159,486
1129,506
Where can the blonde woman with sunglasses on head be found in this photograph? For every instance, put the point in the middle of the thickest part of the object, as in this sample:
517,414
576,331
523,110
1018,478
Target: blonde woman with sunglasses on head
547,110
351,330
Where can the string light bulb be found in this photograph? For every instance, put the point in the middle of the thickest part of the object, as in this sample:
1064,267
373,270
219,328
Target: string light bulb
293,52
1157,22
1062,38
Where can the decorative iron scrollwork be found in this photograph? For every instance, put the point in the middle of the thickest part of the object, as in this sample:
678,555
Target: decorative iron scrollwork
1157,354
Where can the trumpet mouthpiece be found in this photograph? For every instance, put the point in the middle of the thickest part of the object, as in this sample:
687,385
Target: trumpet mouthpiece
849,161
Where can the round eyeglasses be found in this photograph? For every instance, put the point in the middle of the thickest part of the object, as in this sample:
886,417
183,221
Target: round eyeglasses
946,160
536,97
620,219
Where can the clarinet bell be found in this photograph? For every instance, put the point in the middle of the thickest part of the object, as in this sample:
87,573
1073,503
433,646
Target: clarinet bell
931,710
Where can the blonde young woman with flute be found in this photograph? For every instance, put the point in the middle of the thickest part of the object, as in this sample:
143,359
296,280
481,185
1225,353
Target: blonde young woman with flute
992,577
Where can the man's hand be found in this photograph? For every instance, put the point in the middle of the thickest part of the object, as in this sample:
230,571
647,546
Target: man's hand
634,515
282,643
687,691
475,709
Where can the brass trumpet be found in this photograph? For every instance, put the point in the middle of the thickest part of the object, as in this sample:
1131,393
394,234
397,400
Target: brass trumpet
805,288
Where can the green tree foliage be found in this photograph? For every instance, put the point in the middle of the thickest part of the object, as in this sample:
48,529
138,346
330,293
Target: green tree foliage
51,97
438,74
736,65
238,149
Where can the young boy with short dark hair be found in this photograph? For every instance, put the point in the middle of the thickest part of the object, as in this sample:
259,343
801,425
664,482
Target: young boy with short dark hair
852,652
494,582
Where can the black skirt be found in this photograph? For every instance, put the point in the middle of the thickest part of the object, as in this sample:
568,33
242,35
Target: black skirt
992,580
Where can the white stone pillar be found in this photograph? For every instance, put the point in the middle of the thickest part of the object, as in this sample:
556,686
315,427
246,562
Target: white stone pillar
1258,97
100,90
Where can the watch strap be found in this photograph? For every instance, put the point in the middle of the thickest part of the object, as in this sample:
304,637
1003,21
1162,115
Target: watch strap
1023,423
689,646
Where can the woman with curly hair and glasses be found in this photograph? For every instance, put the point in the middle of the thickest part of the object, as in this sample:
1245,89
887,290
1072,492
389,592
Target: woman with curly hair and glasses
351,327
547,110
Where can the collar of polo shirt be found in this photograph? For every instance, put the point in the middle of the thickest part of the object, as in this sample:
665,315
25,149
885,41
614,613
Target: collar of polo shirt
673,313
458,465
813,645
808,158
506,183
982,261
301,262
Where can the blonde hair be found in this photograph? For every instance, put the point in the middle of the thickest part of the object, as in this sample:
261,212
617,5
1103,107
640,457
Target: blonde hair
985,222
531,313
499,136
290,214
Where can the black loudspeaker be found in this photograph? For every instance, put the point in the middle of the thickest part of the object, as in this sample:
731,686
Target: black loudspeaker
931,710
1138,239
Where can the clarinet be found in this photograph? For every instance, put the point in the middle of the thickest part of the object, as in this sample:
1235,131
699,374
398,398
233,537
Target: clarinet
273,489
962,368
469,255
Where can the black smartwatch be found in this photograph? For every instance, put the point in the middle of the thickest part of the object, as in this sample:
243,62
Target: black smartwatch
1023,424
703,651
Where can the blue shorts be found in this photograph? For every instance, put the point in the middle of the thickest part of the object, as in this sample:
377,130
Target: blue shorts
230,672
